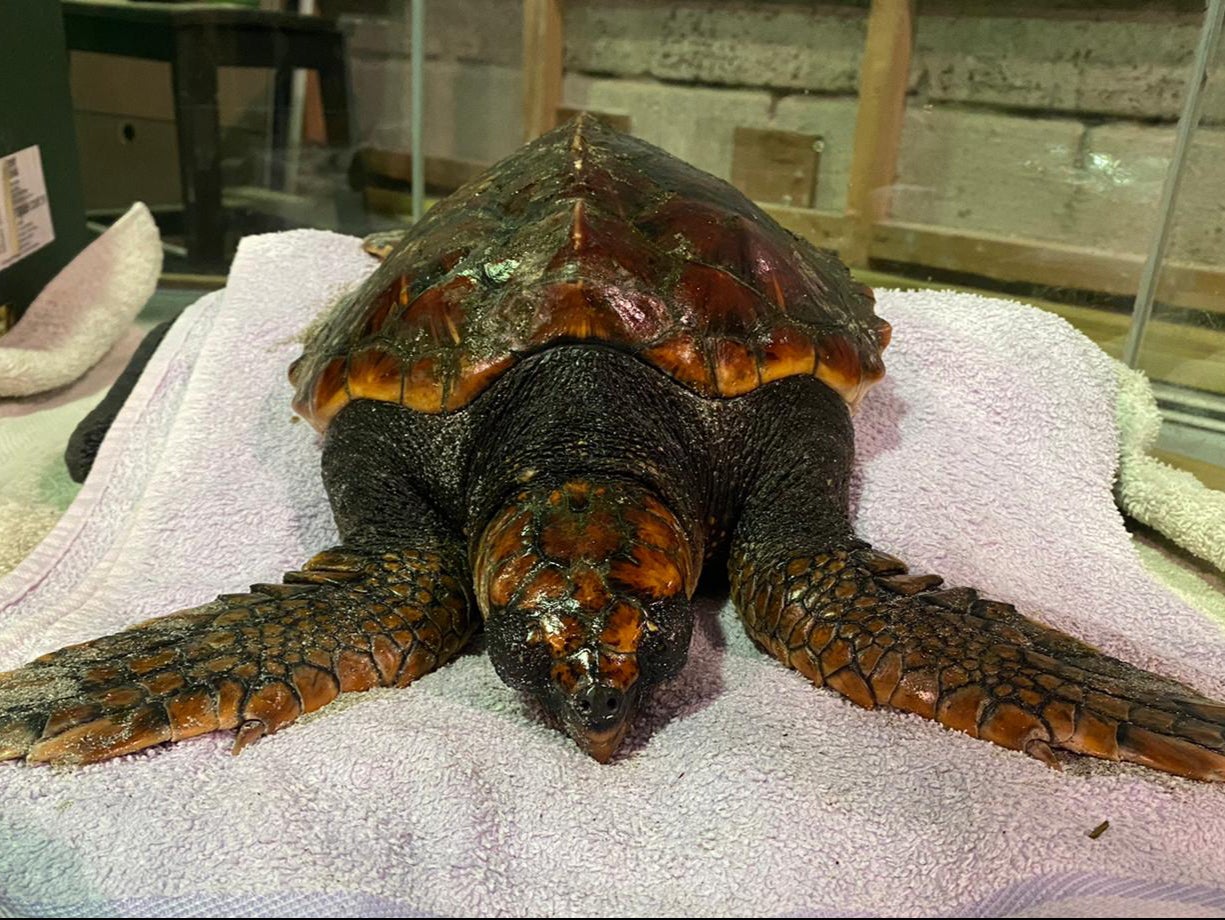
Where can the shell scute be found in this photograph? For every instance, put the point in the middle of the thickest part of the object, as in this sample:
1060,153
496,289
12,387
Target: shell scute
589,234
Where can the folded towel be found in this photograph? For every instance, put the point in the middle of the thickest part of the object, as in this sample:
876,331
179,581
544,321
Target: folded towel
1173,502
987,455
34,484
85,309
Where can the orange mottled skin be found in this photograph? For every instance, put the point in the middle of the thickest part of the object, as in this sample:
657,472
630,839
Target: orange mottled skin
585,562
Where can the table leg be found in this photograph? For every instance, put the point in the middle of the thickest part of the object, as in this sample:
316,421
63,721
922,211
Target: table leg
194,73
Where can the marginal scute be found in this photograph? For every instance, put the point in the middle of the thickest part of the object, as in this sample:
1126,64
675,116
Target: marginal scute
591,235
375,373
787,351
474,375
735,368
330,395
684,359
423,386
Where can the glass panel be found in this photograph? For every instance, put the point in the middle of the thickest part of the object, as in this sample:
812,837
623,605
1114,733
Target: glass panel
762,94
1184,344
473,95
1032,149
1032,153
327,147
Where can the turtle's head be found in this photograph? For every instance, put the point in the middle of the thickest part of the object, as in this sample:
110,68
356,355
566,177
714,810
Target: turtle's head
584,588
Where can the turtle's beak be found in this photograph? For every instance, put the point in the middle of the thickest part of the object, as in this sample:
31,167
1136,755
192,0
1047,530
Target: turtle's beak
602,745
598,717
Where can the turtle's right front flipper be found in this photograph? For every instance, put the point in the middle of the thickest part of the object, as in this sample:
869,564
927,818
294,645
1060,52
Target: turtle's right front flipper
252,662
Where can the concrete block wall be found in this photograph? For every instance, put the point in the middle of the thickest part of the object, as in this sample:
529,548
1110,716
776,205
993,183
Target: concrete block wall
473,77
1054,124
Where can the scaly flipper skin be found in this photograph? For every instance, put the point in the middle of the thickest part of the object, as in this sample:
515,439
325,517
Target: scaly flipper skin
851,619
253,662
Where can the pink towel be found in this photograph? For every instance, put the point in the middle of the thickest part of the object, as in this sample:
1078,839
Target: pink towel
987,455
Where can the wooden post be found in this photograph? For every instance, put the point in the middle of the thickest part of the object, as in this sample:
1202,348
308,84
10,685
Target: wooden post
543,47
883,76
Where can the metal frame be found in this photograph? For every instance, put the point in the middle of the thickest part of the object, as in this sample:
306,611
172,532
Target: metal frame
1209,38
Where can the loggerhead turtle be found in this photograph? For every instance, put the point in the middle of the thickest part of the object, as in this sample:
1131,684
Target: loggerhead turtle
582,377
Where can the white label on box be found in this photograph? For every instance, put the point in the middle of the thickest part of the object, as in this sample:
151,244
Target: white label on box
25,211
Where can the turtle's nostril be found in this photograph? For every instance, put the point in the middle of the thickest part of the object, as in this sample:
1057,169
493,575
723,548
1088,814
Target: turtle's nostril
597,716
599,706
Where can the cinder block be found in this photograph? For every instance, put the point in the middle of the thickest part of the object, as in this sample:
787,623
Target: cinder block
834,120
999,173
1199,215
472,111
379,98
485,31
1116,200
1131,63
695,124
1128,63
763,44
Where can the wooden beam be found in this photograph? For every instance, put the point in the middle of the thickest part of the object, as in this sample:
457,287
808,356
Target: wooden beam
1004,258
1188,285
826,229
543,49
883,77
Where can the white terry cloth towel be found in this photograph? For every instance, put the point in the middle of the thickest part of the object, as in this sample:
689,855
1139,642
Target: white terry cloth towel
987,455
1171,501
84,310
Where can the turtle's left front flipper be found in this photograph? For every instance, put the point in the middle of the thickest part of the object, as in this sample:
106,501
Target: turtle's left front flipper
253,662
852,619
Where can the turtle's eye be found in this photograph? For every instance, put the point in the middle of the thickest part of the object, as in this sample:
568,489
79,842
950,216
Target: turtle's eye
665,640
517,651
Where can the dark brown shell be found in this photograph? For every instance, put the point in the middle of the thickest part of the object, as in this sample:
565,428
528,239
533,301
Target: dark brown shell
588,234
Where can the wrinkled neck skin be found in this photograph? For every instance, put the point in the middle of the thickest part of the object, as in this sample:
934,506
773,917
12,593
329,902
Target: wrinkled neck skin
591,489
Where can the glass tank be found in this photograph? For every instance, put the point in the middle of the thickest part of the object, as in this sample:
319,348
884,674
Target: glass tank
580,477
1178,328
1020,149
1012,148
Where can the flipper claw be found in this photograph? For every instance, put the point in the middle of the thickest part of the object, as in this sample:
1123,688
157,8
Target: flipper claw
250,731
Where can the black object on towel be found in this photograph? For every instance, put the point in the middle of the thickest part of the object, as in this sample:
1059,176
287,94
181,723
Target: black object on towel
87,437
